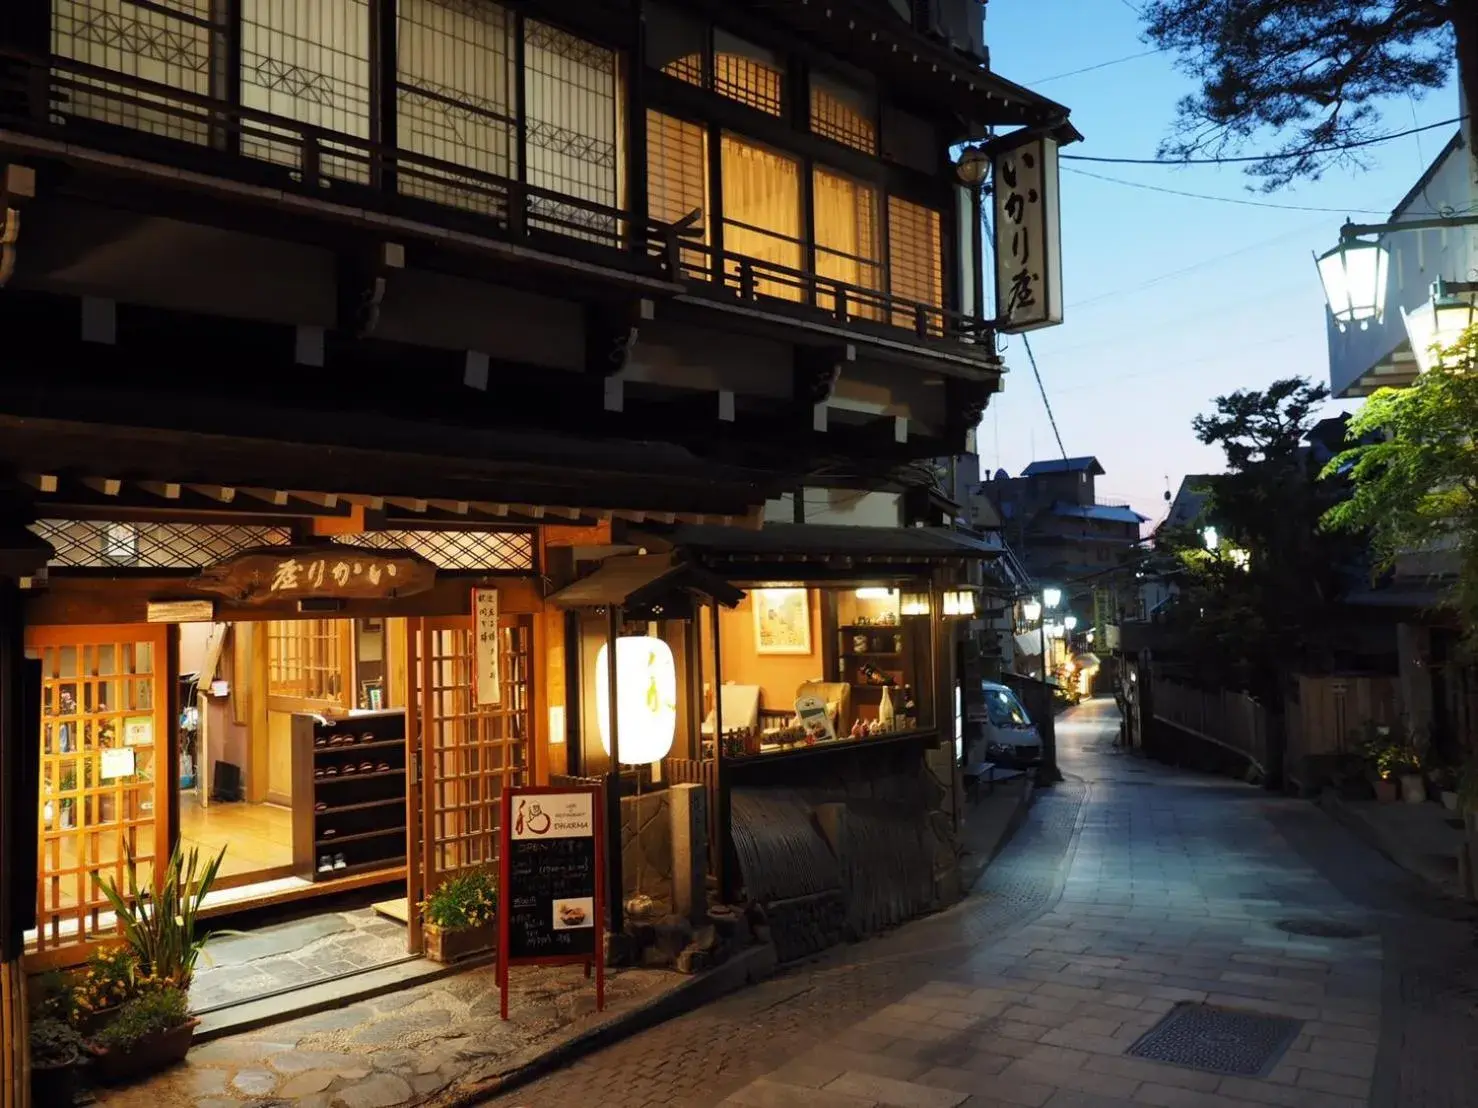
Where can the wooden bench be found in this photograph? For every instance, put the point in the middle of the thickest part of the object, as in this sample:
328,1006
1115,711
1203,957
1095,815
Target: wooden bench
972,775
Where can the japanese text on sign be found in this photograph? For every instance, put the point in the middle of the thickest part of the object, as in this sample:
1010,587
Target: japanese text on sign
316,574
486,647
1028,247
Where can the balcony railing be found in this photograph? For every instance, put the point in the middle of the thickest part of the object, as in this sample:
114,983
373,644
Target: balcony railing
41,97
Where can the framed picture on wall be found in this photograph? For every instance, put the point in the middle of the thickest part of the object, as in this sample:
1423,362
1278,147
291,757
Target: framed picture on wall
782,621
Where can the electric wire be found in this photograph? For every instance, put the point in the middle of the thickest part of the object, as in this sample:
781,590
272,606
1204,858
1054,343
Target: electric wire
1280,156
1091,68
1220,199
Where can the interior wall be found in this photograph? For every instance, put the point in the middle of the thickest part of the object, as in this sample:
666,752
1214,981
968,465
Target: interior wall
779,676
194,645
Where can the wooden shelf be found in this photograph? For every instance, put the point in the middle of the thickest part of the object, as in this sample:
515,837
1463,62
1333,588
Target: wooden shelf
873,654
348,796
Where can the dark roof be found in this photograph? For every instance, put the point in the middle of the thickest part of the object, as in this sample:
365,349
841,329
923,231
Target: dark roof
1065,465
1106,513
638,580
834,540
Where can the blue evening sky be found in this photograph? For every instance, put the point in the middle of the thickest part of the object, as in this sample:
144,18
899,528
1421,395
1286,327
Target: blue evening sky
1170,301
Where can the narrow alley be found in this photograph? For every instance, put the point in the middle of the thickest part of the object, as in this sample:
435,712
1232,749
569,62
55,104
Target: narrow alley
1132,889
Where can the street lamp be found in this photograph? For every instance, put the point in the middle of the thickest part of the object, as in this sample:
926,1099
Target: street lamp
1211,538
1440,322
1051,597
1354,278
1032,610
972,169
1071,623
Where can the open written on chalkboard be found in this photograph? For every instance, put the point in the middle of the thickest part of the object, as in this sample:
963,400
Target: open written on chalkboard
552,892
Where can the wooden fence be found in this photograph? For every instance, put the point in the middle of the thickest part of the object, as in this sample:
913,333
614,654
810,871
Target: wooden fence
1230,720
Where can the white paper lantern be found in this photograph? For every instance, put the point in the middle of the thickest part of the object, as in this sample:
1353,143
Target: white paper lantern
646,700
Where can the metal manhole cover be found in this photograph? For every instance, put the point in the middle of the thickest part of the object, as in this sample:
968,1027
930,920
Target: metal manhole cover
1321,928
1218,1040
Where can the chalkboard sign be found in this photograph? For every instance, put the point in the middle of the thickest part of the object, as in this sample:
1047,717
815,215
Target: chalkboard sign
552,891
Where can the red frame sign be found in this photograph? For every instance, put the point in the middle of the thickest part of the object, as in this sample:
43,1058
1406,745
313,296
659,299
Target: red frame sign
555,828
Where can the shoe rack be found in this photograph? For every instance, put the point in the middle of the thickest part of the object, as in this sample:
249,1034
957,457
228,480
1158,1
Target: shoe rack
349,786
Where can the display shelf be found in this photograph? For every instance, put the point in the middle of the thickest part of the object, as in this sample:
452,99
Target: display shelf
366,809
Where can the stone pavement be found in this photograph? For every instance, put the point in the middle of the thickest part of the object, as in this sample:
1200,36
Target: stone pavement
1130,891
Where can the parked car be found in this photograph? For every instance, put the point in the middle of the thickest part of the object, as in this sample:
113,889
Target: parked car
1006,734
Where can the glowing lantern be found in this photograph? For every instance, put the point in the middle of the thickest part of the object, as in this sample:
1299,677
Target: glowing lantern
646,698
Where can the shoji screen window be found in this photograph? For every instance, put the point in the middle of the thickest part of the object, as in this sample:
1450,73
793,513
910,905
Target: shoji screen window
308,60
843,114
677,178
848,246
915,268
762,216
455,100
572,118
748,73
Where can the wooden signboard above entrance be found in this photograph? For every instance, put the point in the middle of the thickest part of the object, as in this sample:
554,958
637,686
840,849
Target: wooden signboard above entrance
269,574
551,902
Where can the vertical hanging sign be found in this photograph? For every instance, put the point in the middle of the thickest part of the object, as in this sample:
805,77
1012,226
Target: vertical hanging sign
487,676
1028,235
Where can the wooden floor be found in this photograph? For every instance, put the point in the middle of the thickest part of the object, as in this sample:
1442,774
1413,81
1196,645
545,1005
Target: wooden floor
256,836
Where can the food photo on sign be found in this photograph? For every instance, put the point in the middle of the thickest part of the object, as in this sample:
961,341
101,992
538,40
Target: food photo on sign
576,913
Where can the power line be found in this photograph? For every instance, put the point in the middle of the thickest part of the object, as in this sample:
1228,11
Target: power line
1220,199
1091,68
1356,144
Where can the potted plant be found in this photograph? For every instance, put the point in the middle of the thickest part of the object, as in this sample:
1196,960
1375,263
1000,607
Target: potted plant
461,917
1379,753
150,1032
160,928
56,1048
110,980
1406,767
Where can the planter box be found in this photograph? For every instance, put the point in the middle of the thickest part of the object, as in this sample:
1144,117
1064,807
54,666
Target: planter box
452,945
148,1056
54,1086
1385,790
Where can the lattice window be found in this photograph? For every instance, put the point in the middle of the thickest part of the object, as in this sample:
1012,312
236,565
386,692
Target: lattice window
571,123
848,246
471,753
81,543
457,550
915,267
843,114
103,771
675,43
306,659
456,83
677,177
762,216
167,42
749,74
307,60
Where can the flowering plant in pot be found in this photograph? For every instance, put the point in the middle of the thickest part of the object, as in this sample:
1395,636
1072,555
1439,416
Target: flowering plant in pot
161,926
461,916
149,1033
56,1049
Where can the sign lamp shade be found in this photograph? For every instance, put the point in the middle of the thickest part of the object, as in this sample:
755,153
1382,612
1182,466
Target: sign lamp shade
1354,278
1070,622
646,698
1052,597
1032,610
1439,323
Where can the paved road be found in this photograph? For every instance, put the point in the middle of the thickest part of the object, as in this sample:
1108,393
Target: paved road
1131,888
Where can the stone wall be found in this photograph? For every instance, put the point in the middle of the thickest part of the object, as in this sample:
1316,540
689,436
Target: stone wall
646,847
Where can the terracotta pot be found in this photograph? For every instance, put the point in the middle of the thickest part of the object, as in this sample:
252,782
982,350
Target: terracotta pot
148,1055
1413,788
54,1086
447,945
1385,789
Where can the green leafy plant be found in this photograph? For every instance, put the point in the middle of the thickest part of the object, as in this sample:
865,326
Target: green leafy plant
150,1013
52,997
54,1044
161,929
466,900
110,979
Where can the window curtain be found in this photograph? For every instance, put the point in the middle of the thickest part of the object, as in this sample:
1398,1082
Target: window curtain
677,178
454,68
914,260
847,246
762,213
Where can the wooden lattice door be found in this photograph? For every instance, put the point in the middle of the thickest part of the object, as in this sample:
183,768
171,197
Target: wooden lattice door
105,742
468,753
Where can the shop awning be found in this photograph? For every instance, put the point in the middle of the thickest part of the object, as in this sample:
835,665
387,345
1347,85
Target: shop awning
654,583
833,543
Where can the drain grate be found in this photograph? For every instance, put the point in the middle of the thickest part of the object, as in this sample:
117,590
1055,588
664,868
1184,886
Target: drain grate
1218,1040
1321,928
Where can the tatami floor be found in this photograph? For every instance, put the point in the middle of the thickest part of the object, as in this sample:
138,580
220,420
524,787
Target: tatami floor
256,836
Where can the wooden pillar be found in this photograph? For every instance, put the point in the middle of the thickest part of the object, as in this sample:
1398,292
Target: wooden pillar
19,789
614,879
725,851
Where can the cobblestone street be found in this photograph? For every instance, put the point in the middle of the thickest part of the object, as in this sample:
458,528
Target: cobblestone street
1131,890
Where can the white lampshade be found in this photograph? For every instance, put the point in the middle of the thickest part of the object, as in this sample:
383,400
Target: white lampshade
1051,597
1438,324
1354,278
1211,538
959,602
1070,622
646,698
1032,610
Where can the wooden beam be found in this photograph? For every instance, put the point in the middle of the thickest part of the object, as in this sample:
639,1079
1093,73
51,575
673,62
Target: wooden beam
318,499
373,503
224,493
409,504
498,510
275,497
41,482
456,507
166,490
108,486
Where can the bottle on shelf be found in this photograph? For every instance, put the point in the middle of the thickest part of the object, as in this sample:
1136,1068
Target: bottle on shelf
885,710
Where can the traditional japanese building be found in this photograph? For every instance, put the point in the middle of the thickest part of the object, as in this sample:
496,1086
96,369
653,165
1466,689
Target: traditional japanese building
295,294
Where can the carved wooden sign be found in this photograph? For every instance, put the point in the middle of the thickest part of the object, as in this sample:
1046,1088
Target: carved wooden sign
276,573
